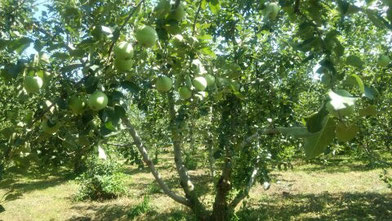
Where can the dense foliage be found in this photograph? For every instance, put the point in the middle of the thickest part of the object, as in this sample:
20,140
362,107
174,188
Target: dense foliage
101,180
233,86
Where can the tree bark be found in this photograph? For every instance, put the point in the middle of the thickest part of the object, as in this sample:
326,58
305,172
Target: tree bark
228,125
221,210
197,207
138,142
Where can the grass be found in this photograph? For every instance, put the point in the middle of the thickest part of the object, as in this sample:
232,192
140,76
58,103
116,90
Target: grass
308,192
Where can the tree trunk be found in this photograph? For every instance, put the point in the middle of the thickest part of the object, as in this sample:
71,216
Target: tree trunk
185,181
221,210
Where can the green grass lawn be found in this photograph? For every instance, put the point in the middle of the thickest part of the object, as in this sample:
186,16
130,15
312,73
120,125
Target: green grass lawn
308,192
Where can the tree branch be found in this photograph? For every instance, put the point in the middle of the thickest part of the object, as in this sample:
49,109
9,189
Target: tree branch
301,132
196,16
138,142
185,180
116,35
241,195
296,6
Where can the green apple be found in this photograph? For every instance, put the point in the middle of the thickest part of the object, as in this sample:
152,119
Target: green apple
147,36
210,80
50,127
179,12
97,101
32,84
223,82
162,9
77,105
185,93
163,84
123,50
383,60
123,64
200,83
272,10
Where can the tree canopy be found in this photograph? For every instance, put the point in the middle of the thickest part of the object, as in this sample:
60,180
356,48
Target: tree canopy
250,83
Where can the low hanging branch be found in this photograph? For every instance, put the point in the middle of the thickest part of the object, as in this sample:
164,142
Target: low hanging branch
186,182
290,131
147,160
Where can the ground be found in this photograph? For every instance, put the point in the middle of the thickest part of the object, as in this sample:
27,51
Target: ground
343,191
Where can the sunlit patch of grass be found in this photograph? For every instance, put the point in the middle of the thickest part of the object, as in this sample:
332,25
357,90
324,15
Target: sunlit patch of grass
308,192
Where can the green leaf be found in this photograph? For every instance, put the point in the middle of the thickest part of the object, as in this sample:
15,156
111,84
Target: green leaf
354,61
374,17
370,92
345,132
368,111
214,6
341,99
20,44
359,81
107,31
7,132
317,143
130,86
314,123
203,5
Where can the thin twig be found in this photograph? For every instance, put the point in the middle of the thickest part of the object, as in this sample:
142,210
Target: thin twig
117,32
196,16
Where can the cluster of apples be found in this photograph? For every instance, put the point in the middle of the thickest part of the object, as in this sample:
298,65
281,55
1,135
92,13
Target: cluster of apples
123,52
77,104
199,83
170,15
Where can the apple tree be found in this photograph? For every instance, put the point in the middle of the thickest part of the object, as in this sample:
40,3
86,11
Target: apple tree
245,82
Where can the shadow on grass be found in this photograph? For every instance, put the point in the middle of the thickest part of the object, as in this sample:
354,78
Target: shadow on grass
341,165
120,212
344,206
17,188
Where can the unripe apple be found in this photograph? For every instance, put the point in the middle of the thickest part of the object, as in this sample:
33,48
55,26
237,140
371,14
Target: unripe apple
163,8
97,101
77,105
163,84
210,80
123,50
147,36
384,60
185,93
200,83
179,12
123,64
50,127
222,82
32,84
272,10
